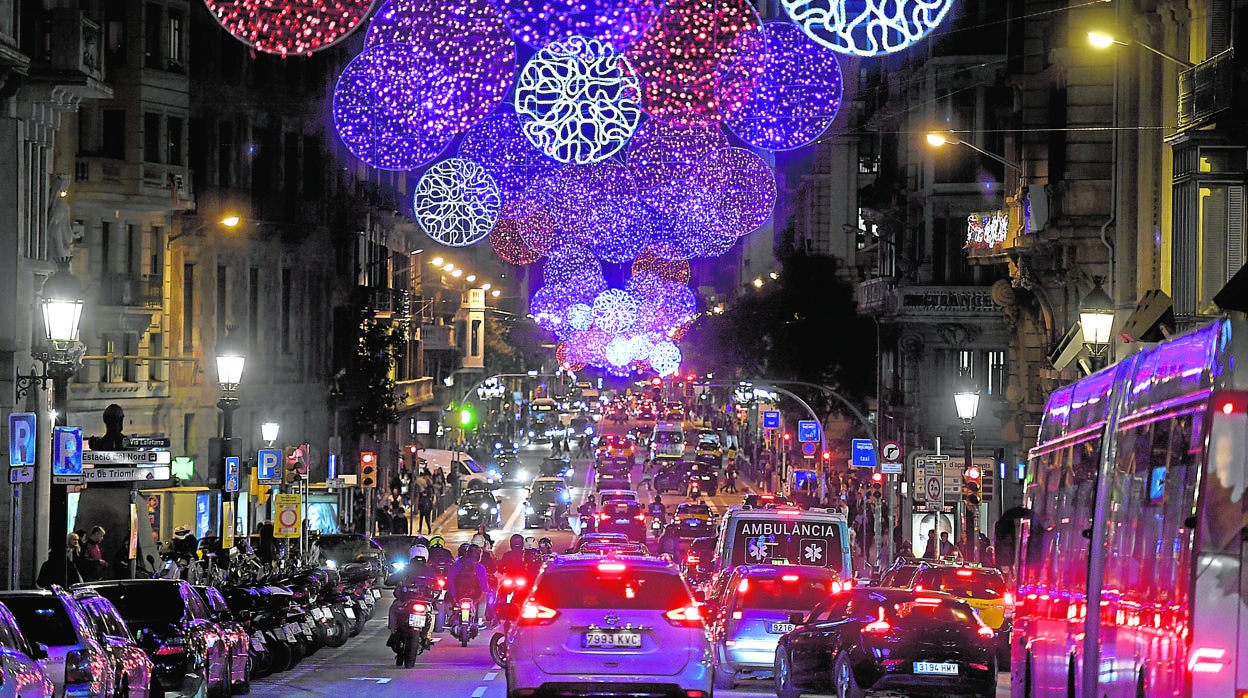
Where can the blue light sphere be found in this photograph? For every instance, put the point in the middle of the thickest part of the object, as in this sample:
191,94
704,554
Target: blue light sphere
456,202
616,22
746,186
796,97
580,316
468,37
389,107
619,352
498,144
665,358
579,100
663,154
867,27
574,266
618,231
615,311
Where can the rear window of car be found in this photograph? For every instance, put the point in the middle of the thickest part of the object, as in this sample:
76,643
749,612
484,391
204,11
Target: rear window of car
775,593
145,604
629,589
478,497
43,619
962,582
693,510
621,508
669,437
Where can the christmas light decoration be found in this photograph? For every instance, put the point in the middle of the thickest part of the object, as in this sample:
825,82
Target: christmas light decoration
867,27
508,236
661,267
615,311
663,158
618,230
679,54
619,352
293,27
580,316
456,202
498,144
746,186
388,106
468,37
572,265
616,22
794,99
579,100
665,358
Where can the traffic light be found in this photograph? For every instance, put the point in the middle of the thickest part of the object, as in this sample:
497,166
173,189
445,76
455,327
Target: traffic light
877,485
788,437
466,417
689,387
368,469
290,465
827,457
971,486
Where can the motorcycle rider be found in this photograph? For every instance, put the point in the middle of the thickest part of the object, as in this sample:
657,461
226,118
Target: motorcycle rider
439,556
546,547
512,562
467,579
658,510
419,579
669,542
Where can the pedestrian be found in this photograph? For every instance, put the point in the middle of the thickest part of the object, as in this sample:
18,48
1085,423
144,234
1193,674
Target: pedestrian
932,550
730,477
267,550
947,547
398,519
62,570
425,510
383,519
93,562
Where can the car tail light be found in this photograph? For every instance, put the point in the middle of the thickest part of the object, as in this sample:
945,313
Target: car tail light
695,693
736,615
930,601
963,573
685,616
879,626
170,649
1207,660
918,587
533,614
419,607
441,582
693,559
1008,599
465,605
604,517
615,567
986,632
978,667
848,584
640,517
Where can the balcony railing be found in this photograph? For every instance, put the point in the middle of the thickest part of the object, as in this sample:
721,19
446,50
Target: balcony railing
99,174
132,290
1207,89
438,337
876,296
416,392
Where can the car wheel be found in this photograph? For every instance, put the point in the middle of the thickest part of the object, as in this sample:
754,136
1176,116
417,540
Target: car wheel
783,672
843,678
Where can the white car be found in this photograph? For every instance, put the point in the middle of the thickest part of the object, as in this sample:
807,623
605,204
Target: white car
598,625
616,495
22,674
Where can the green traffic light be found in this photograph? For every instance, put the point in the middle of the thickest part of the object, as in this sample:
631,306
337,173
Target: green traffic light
465,417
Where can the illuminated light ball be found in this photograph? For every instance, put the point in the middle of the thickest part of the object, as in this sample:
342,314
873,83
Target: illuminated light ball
867,27
618,352
580,316
456,202
298,27
388,107
579,100
588,346
618,231
498,144
640,345
663,158
470,37
747,189
539,228
796,97
551,304
563,357
662,267
507,237
615,311
579,189
574,265
678,55
616,22
665,358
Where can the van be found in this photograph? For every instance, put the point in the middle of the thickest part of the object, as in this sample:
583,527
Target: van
668,439
465,466
783,536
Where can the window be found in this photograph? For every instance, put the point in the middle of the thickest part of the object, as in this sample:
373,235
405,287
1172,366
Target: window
288,322
115,32
253,307
43,619
106,246
134,248
996,373
222,298
173,148
151,137
474,348
225,154
188,309
966,364
176,29
152,55
113,133
631,589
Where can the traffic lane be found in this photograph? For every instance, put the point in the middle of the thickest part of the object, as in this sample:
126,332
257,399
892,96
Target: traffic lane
766,687
365,664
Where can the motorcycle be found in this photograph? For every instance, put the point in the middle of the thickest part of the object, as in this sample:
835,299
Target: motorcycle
464,621
511,590
414,625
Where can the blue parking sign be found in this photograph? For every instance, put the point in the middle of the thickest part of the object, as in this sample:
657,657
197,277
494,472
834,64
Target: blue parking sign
67,455
21,438
771,419
231,474
863,453
267,462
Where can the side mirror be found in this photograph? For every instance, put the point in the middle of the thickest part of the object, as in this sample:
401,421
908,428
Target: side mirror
797,618
508,613
40,651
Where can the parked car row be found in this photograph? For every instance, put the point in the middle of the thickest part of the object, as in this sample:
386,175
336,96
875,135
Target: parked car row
134,638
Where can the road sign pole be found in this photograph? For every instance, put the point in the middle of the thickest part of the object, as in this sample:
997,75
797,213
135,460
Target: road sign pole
15,535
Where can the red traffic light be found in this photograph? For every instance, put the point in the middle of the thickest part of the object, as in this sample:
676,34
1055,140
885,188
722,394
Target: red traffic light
972,473
827,455
690,378
877,477
788,436
656,382
368,458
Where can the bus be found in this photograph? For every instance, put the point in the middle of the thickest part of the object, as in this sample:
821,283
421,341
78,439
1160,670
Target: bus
543,420
1130,575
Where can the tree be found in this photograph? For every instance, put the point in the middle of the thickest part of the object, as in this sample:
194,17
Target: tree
369,387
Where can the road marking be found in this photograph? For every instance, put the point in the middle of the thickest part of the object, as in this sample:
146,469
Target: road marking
479,692
371,678
490,676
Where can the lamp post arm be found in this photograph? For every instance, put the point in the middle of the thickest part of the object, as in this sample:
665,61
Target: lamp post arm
994,156
1170,57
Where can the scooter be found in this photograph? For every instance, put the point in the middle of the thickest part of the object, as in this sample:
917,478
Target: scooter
464,621
511,590
412,634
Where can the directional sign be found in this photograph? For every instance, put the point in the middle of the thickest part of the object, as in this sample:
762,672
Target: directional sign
146,442
67,456
231,474
126,473
890,451
286,522
21,475
127,457
267,470
808,431
22,438
863,453
771,419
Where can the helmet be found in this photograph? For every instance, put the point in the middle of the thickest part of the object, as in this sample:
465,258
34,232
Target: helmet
479,540
516,542
182,532
463,548
436,542
419,551
530,543
658,499
545,544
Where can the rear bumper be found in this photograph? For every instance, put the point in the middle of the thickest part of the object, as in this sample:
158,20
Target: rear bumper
577,689
912,685
524,678
752,657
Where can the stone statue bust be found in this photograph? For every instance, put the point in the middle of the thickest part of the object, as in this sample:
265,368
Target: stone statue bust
113,439
60,223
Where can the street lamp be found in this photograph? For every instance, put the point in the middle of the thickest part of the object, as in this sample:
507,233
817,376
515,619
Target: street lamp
937,139
268,431
230,361
1102,40
1096,318
966,402
229,221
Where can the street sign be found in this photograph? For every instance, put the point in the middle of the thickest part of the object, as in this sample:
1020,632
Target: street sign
127,457
268,471
22,438
808,448
231,474
145,442
20,475
286,521
808,431
890,451
336,483
863,453
67,456
934,490
890,468
771,419
126,473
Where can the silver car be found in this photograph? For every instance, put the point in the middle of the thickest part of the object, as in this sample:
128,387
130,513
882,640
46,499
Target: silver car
22,673
600,626
77,664
754,612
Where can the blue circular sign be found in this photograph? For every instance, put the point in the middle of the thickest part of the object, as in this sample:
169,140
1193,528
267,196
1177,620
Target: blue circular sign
809,448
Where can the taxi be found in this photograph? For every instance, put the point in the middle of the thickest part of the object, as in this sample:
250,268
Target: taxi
710,446
982,588
692,519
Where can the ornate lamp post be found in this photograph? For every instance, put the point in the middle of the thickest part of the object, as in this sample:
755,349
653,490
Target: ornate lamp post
230,361
1096,317
966,401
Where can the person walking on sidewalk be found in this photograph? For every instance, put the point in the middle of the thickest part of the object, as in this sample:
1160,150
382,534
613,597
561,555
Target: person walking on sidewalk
424,507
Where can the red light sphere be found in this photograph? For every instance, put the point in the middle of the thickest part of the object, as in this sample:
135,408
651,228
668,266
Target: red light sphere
294,27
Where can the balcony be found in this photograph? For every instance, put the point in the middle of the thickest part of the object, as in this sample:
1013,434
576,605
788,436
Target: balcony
1206,90
389,302
438,337
876,296
132,290
120,177
415,393
72,60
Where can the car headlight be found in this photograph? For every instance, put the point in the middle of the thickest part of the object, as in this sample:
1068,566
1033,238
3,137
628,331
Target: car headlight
462,511
398,566
570,472
493,510
528,510
531,434
331,564
484,506
522,474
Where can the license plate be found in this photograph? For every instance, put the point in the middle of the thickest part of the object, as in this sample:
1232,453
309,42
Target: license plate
465,615
290,636
257,639
376,594
307,627
621,521
316,613
942,668
780,628
416,620
292,628
349,611
629,640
